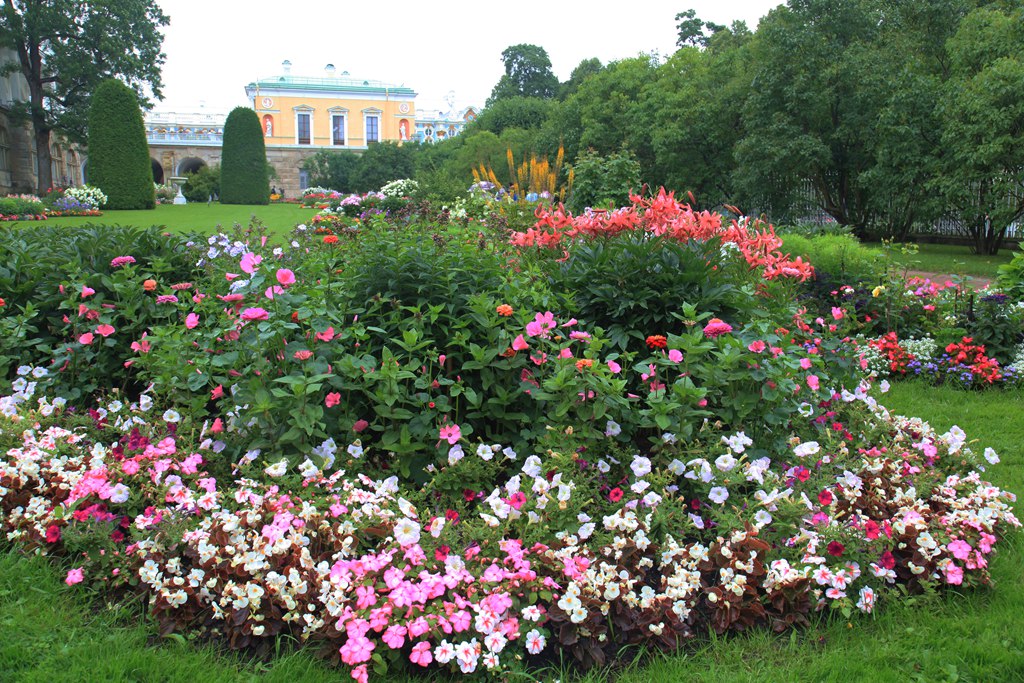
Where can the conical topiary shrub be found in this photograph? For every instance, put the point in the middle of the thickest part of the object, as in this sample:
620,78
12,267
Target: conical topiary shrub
243,164
118,152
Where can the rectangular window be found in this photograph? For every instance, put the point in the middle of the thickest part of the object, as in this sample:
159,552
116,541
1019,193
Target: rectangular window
372,129
304,125
337,130
303,179
3,150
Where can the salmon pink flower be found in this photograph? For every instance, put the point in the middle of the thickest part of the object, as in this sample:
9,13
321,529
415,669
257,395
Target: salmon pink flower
149,285
421,654
85,339
519,343
333,399
105,330
87,291
451,434
805,363
285,276
837,313
325,336
812,382
303,354
756,346
360,425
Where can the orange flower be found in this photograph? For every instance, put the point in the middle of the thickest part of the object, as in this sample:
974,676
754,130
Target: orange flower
657,341
330,239
583,363
504,310
149,285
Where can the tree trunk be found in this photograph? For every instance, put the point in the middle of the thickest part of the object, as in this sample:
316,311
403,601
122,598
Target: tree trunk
45,162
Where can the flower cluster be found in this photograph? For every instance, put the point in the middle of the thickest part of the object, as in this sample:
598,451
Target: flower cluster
87,196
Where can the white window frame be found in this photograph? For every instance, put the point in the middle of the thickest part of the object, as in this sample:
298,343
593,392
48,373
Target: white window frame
308,111
341,113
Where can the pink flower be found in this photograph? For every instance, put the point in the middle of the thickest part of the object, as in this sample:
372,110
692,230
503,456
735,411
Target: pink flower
360,674
74,576
614,367
757,346
394,636
333,399
105,330
191,320
303,354
675,355
85,339
837,313
356,650
716,328
285,277
421,654
360,425
519,344
130,467
167,299
961,549
541,325
451,434
812,382
325,336
271,292
87,291
565,353
255,314
805,363
954,574
250,261
121,261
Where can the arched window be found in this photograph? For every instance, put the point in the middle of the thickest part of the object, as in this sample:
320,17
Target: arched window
5,145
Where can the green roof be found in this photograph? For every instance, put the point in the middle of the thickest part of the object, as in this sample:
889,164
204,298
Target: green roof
340,84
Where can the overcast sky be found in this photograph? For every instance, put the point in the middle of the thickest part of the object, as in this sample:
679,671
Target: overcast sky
214,48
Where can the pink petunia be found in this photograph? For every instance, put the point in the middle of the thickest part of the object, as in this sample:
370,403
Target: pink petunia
675,355
87,291
333,399
105,330
812,382
74,576
85,339
285,276
519,344
191,320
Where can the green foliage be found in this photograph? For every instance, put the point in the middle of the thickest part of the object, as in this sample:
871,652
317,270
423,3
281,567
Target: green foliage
1011,275
584,70
66,49
334,170
514,112
693,32
244,160
381,163
42,275
840,258
20,206
119,161
527,74
202,184
603,180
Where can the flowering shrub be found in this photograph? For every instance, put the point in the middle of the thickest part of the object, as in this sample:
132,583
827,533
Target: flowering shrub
400,188
21,207
93,197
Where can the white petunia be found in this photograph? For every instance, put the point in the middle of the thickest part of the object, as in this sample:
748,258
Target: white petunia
407,532
718,494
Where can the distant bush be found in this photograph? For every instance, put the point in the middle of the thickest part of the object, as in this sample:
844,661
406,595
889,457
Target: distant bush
244,177
119,162
839,257
202,184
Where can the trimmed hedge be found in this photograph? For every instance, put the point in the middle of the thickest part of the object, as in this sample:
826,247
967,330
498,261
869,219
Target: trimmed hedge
119,161
243,166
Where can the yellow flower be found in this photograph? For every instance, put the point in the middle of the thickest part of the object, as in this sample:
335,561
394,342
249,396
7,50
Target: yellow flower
877,291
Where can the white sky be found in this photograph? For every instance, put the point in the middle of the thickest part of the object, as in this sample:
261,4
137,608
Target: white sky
215,47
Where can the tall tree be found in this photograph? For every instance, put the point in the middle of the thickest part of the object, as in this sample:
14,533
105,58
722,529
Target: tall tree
243,171
693,31
66,48
527,74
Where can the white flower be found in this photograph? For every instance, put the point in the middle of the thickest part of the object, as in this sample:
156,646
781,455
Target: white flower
24,370
718,494
455,454
991,456
145,403
171,416
586,530
612,428
484,451
806,448
509,453
407,532
535,641
806,409
277,469
738,442
763,518
725,462
531,467
355,449
119,494
640,465
676,467
883,386
669,438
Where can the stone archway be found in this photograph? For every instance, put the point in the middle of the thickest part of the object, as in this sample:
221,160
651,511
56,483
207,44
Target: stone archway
189,165
158,171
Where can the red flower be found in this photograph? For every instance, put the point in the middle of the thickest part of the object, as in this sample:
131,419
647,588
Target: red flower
871,529
615,495
330,239
887,560
360,425
825,497
52,533
836,549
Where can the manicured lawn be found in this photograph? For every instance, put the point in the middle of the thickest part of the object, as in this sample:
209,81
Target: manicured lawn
279,218
950,259
49,632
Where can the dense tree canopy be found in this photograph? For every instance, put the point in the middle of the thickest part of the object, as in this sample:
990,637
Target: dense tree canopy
118,154
527,74
66,48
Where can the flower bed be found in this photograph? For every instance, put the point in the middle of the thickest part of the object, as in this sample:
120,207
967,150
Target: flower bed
431,445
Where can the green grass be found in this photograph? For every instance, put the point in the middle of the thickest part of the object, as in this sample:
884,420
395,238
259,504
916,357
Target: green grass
950,259
49,632
199,217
